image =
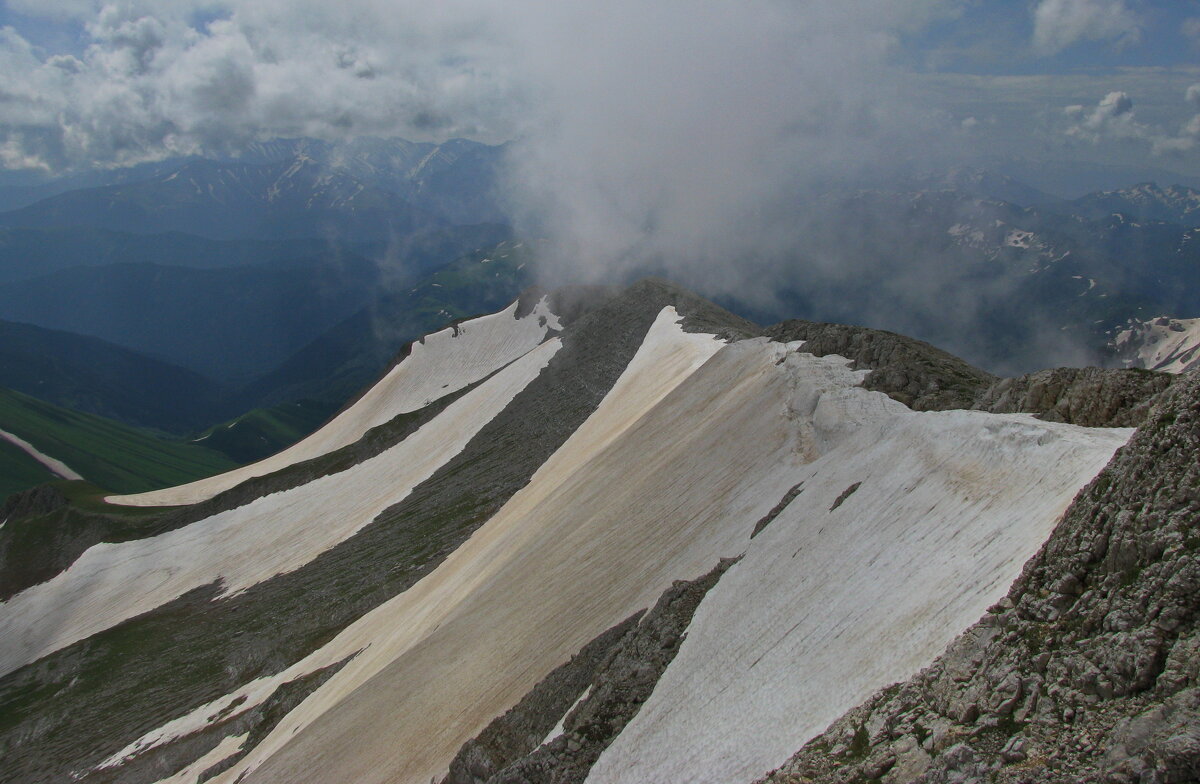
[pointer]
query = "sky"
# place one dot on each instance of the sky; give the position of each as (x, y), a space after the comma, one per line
(108, 83)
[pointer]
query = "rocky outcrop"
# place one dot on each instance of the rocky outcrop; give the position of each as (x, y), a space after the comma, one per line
(1091, 397)
(524, 726)
(33, 502)
(922, 377)
(1088, 671)
(622, 681)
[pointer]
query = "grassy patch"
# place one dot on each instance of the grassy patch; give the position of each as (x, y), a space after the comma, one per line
(117, 457)
(264, 431)
(19, 471)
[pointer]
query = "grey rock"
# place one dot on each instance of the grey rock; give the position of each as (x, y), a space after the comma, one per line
(1091, 397)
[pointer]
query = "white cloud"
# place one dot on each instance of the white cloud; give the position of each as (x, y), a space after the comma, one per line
(1192, 95)
(1111, 119)
(1191, 30)
(1058, 24)
(151, 81)
(1188, 137)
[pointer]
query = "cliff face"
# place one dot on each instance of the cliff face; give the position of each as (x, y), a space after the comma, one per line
(1089, 670)
(1092, 397)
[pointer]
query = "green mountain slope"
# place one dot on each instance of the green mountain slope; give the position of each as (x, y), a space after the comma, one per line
(19, 471)
(262, 432)
(110, 454)
(97, 377)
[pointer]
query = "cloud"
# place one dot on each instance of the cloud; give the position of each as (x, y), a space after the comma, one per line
(1191, 30)
(156, 79)
(1192, 95)
(675, 132)
(690, 139)
(1188, 137)
(1058, 24)
(1111, 119)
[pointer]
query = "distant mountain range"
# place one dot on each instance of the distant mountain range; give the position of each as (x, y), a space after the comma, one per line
(96, 377)
(300, 189)
(1144, 202)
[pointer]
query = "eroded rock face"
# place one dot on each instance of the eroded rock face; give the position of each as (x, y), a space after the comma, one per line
(1091, 397)
(1087, 671)
(622, 667)
(917, 374)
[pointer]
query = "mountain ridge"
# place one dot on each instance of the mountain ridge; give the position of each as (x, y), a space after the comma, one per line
(631, 446)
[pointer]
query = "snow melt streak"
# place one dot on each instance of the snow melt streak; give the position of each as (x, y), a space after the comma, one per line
(56, 467)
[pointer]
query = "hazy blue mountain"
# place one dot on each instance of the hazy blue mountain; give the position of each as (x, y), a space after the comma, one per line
(1144, 201)
(20, 188)
(29, 253)
(94, 376)
(297, 198)
(371, 189)
(1011, 289)
(352, 353)
(982, 183)
(224, 323)
(1073, 179)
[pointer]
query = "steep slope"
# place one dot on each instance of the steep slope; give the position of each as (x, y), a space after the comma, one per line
(353, 353)
(96, 377)
(1086, 671)
(20, 470)
(177, 657)
(75, 445)
(262, 432)
(1167, 344)
(438, 365)
(547, 481)
(223, 323)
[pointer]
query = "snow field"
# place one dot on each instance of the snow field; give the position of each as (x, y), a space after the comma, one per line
(530, 587)
(1169, 345)
(827, 606)
(271, 535)
(669, 356)
(438, 365)
(695, 443)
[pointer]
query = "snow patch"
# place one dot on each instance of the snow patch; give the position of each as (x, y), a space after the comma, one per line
(274, 534)
(56, 467)
(560, 728)
(1166, 344)
(833, 602)
(439, 364)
